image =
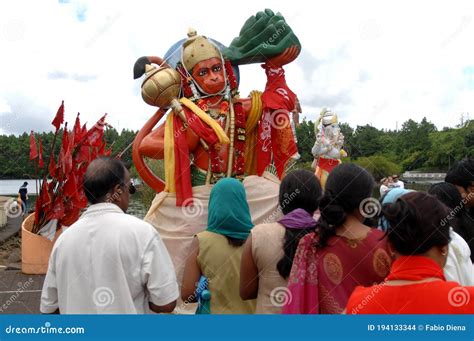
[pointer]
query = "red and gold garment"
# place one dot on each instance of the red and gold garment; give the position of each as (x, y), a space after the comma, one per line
(322, 280)
(433, 297)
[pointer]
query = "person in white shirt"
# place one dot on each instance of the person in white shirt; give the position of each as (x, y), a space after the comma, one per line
(109, 262)
(384, 187)
(397, 183)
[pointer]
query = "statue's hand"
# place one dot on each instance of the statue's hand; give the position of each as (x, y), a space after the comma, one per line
(286, 57)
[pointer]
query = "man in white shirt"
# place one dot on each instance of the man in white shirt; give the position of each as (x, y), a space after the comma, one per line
(109, 262)
(397, 183)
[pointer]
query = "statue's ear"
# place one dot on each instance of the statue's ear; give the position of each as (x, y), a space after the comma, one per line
(139, 67)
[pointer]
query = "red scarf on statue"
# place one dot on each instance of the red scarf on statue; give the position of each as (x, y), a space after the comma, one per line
(274, 130)
(184, 191)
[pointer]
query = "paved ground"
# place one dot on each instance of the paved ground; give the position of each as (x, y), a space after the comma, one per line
(19, 293)
(13, 227)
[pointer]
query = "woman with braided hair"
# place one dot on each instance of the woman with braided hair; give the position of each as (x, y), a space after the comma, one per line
(343, 252)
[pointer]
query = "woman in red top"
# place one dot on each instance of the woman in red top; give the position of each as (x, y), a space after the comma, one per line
(342, 253)
(418, 235)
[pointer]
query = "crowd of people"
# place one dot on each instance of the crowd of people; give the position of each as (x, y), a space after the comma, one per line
(390, 182)
(325, 255)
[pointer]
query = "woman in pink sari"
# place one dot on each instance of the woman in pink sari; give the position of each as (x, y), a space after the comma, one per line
(343, 252)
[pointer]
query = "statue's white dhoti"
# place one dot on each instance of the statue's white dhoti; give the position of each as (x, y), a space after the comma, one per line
(178, 225)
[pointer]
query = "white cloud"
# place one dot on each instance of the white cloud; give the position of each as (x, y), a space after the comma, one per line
(371, 62)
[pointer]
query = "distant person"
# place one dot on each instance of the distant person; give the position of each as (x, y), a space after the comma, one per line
(390, 182)
(397, 183)
(462, 176)
(109, 262)
(269, 250)
(384, 186)
(23, 194)
(458, 266)
(416, 283)
(343, 252)
(216, 253)
(460, 219)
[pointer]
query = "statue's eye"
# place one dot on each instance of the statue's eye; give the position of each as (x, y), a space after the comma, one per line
(202, 72)
(217, 68)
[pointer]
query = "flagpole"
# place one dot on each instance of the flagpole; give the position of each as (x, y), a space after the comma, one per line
(119, 155)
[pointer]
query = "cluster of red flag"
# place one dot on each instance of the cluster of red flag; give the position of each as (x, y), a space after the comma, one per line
(61, 196)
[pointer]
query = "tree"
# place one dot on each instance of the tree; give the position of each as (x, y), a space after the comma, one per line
(306, 138)
(365, 141)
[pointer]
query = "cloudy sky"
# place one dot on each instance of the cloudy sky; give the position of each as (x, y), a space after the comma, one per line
(377, 63)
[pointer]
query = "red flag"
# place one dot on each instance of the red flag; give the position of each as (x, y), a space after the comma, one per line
(45, 193)
(77, 130)
(52, 167)
(95, 134)
(40, 155)
(57, 211)
(59, 118)
(70, 188)
(33, 149)
(65, 154)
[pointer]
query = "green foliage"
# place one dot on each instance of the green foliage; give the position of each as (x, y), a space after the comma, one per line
(379, 166)
(305, 136)
(415, 146)
(15, 151)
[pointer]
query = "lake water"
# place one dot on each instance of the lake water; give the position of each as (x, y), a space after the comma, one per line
(10, 188)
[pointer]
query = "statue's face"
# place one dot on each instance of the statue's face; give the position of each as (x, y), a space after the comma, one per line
(209, 74)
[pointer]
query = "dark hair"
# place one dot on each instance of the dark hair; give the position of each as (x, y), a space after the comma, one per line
(235, 241)
(462, 173)
(449, 195)
(25, 183)
(102, 175)
(346, 187)
(417, 222)
(298, 189)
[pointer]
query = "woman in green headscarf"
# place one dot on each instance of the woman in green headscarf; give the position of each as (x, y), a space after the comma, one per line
(216, 252)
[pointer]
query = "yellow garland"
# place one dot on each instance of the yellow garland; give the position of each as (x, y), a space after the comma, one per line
(223, 138)
(169, 155)
(252, 132)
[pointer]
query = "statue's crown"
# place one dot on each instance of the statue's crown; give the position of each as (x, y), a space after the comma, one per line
(328, 117)
(198, 48)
